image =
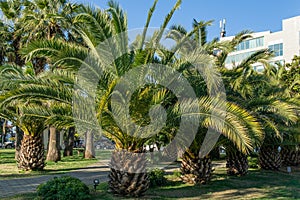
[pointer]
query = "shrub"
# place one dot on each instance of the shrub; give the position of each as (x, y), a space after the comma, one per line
(253, 162)
(63, 188)
(177, 173)
(156, 177)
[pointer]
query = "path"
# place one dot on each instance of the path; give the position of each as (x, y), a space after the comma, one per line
(98, 170)
(16, 186)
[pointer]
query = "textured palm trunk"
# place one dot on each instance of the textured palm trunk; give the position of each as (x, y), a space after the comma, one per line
(31, 156)
(290, 156)
(237, 163)
(269, 158)
(69, 142)
(53, 153)
(196, 170)
(89, 145)
(128, 176)
(19, 137)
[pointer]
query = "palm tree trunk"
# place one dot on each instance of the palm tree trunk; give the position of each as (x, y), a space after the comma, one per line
(237, 162)
(19, 137)
(128, 176)
(69, 142)
(269, 158)
(290, 156)
(53, 147)
(89, 145)
(4, 132)
(196, 170)
(31, 156)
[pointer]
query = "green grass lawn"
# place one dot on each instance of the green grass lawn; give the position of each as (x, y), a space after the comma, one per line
(8, 166)
(258, 184)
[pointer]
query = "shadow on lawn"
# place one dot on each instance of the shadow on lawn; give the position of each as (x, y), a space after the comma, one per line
(257, 184)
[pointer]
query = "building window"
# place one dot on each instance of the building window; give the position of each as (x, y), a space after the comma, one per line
(277, 49)
(250, 44)
(238, 57)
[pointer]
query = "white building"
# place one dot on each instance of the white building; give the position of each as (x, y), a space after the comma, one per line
(285, 44)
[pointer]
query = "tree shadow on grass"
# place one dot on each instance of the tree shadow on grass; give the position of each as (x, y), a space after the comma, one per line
(257, 184)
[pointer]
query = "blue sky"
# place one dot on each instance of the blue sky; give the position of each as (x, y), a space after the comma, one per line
(255, 15)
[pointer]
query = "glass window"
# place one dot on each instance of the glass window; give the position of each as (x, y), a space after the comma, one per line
(238, 58)
(277, 49)
(250, 44)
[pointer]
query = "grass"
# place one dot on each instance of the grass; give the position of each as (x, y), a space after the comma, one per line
(258, 184)
(8, 166)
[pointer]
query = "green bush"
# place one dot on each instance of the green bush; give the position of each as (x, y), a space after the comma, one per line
(253, 162)
(177, 173)
(63, 188)
(157, 178)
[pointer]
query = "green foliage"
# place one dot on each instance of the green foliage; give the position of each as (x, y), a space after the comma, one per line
(63, 188)
(176, 173)
(292, 76)
(157, 178)
(253, 162)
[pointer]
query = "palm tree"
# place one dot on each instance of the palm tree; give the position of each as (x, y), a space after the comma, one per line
(26, 21)
(264, 97)
(34, 102)
(31, 155)
(12, 11)
(95, 26)
(44, 19)
(12, 36)
(283, 86)
(194, 169)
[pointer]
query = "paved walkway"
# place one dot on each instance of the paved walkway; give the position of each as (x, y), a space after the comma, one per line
(98, 170)
(16, 186)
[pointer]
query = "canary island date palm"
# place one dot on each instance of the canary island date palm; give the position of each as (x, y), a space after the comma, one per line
(289, 77)
(96, 27)
(31, 155)
(264, 97)
(237, 162)
(197, 168)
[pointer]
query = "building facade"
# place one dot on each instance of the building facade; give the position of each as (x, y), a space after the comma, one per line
(285, 44)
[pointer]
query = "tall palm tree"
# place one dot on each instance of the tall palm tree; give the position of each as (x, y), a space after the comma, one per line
(44, 19)
(12, 11)
(31, 20)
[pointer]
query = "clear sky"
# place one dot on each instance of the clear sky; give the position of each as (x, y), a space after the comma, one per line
(255, 15)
